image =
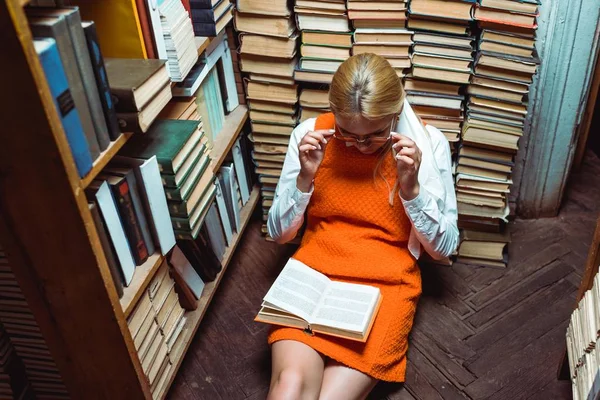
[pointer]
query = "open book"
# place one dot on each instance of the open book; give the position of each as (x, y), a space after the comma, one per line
(304, 298)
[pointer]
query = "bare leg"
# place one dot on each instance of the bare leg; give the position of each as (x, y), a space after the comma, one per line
(344, 383)
(297, 371)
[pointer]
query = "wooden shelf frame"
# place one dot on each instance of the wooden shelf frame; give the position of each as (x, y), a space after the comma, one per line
(51, 241)
(194, 318)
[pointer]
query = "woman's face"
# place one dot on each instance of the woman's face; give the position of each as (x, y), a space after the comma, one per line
(368, 136)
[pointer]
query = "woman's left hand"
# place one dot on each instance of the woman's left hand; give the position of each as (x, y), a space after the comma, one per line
(408, 161)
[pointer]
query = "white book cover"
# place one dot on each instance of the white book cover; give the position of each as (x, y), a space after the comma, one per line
(240, 171)
(222, 208)
(189, 274)
(108, 209)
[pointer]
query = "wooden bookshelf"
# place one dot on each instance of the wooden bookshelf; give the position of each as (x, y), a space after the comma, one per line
(202, 43)
(195, 317)
(104, 158)
(234, 122)
(141, 278)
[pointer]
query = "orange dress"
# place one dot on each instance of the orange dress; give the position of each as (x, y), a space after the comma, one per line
(353, 234)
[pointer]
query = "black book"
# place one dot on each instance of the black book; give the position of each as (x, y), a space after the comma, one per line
(201, 257)
(110, 114)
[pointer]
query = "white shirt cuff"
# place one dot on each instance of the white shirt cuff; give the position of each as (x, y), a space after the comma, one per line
(415, 205)
(300, 197)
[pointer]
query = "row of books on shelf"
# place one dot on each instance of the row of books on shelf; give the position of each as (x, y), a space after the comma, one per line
(582, 335)
(161, 187)
(157, 322)
(24, 354)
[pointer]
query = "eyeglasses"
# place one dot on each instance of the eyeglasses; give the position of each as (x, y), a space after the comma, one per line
(367, 140)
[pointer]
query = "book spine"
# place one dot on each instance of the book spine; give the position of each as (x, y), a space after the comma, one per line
(134, 235)
(200, 4)
(110, 115)
(129, 122)
(173, 194)
(203, 16)
(87, 76)
(200, 260)
(178, 209)
(123, 101)
(202, 29)
(60, 33)
(57, 81)
(109, 251)
(136, 198)
(181, 224)
(168, 181)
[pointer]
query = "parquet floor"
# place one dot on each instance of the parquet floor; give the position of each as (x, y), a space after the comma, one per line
(479, 333)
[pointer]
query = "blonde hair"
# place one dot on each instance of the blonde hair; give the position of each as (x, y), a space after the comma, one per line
(367, 86)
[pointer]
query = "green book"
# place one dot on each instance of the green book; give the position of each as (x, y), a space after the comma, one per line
(183, 193)
(170, 140)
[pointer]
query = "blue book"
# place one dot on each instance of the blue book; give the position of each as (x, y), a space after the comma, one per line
(57, 81)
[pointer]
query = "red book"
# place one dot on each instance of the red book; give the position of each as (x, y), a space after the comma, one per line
(186, 5)
(147, 32)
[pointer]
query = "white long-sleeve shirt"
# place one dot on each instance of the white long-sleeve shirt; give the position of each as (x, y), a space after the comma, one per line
(433, 213)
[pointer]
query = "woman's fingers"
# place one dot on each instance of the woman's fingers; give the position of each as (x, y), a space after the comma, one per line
(405, 160)
(404, 143)
(408, 151)
(306, 147)
(311, 140)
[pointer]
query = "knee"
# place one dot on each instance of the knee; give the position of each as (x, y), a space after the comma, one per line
(288, 385)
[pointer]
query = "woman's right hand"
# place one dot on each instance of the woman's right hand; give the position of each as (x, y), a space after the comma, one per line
(311, 149)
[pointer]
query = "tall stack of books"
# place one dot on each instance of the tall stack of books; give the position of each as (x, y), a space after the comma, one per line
(156, 324)
(505, 65)
(326, 40)
(268, 55)
(582, 337)
(178, 36)
(234, 45)
(26, 339)
(391, 43)
(442, 63)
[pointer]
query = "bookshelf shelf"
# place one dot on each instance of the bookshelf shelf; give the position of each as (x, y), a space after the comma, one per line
(202, 43)
(231, 128)
(195, 317)
(141, 278)
(104, 158)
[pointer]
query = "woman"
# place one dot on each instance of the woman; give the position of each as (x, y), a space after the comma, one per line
(374, 199)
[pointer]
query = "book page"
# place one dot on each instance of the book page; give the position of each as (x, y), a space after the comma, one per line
(347, 306)
(298, 289)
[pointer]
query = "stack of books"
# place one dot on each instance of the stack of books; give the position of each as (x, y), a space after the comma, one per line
(377, 14)
(155, 325)
(210, 16)
(27, 342)
(140, 89)
(180, 147)
(313, 102)
(74, 68)
(582, 336)
(497, 107)
(483, 248)
(178, 36)
(393, 44)
(234, 45)
(442, 64)
(268, 55)
(183, 108)
(326, 39)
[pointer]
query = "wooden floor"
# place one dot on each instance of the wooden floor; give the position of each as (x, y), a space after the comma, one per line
(479, 333)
